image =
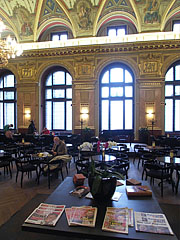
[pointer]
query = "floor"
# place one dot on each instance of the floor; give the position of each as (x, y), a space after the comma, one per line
(13, 197)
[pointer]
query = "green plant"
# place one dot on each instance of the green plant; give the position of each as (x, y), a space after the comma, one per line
(100, 173)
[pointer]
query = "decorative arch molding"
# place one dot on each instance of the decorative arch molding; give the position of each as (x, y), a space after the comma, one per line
(169, 16)
(51, 23)
(129, 62)
(119, 15)
(165, 16)
(168, 62)
(13, 68)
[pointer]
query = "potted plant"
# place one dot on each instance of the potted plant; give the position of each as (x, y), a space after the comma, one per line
(102, 181)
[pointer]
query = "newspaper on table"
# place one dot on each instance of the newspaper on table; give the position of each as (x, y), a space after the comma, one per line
(152, 222)
(116, 220)
(46, 214)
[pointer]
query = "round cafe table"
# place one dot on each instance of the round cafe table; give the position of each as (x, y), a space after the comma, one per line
(107, 158)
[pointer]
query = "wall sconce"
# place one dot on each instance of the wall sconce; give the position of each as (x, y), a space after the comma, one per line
(84, 115)
(150, 114)
(27, 113)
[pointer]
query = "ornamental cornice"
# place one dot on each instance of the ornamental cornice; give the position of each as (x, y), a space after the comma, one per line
(105, 49)
(84, 87)
(150, 84)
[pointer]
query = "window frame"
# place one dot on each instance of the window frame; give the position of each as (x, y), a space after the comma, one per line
(116, 28)
(13, 101)
(59, 34)
(110, 98)
(52, 100)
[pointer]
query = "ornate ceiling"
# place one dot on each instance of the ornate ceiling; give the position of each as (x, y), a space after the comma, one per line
(28, 19)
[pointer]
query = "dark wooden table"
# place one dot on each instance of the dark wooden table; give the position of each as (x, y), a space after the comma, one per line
(107, 158)
(61, 196)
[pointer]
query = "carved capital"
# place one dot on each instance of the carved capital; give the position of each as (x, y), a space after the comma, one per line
(27, 71)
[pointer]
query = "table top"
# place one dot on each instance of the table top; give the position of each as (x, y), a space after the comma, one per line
(107, 158)
(167, 159)
(61, 196)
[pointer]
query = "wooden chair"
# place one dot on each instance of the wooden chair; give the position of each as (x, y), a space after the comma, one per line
(5, 162)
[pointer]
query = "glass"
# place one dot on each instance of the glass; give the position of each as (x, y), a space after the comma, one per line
(49, 80)
(69, 93)
(58, 93)
(117, 91)
(128, 77)
(48, 111)
(8, 113)
(177, 115)
(48, 94)
(177, 90)
(128, 91)
(112, 32)
(105, 115)
(1, 114)
(9, 81)
(116, 75)
(121, 32)
(1, 95)
(169, 75)
(1, 82)
(59, 78)
(69, 115)
(168, 90)
(68, 79)
(63, 37)
(105, 92)
(177, 72)
(58, 115)
(176, 27)
(168, 115)
(116, 119)
(55, 37)
(128, 114)
(105, 78)
(9, 95)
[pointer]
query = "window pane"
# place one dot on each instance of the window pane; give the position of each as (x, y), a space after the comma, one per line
(128, 91)
(58, 93)
(69, 93)
(177, 115)
(116, 75)
(121, 32)
(8, 113)
(1, 114)
(48, 110)
(177, 90)
(176, 27)
(105, 92)
(1, 83)
(59, 78)
(169, 75)
(105, 78)
(116, 119)
(169, 90)
(128, 77)
(8, 95)
(58, 115)
(68, 79)
(1, 95)
(116, 91)
(112, 32)
(63, 37)
(55, 37)
(105, 115)
(177, 72)
(49, 80)
(69, 115)
(9, 81)
(169, 115)
(128, 114)
(48, 94)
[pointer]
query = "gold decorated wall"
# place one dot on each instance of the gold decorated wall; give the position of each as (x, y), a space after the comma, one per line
(149, 62)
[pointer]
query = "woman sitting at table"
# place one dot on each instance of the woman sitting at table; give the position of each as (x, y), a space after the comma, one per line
(59, 152)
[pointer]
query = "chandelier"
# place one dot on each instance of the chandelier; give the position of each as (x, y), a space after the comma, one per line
(8, 48)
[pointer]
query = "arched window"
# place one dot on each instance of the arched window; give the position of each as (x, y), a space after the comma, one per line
(58, 100)
(7, 99)
(172, 98)
(116, 98)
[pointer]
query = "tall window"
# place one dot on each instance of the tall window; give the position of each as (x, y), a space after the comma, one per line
(176, 26)
(172, 98)
(59, 36)
(58, 100)
(7, 100)
(117, 31)
(116, 98)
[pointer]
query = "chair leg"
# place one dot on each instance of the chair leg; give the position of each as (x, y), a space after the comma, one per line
(10, 171)
(177, 183)
(62, 175)
(162, 188)
(17, 175)
(22, 179)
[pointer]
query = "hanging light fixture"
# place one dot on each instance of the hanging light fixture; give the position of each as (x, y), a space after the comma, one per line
(8, 48)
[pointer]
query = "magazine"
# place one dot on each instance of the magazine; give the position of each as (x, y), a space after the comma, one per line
(46, 214)
(116, 220)
(83, 216)
(152, 222)
(80, 191)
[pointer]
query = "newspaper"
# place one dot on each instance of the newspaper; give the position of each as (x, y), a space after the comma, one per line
(152, 222)
(46, 214)
(116, 220)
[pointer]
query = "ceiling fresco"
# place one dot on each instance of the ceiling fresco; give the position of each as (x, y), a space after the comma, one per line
(27, 19)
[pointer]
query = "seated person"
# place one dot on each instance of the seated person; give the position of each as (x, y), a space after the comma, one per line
(7, 131)
(45, 131)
